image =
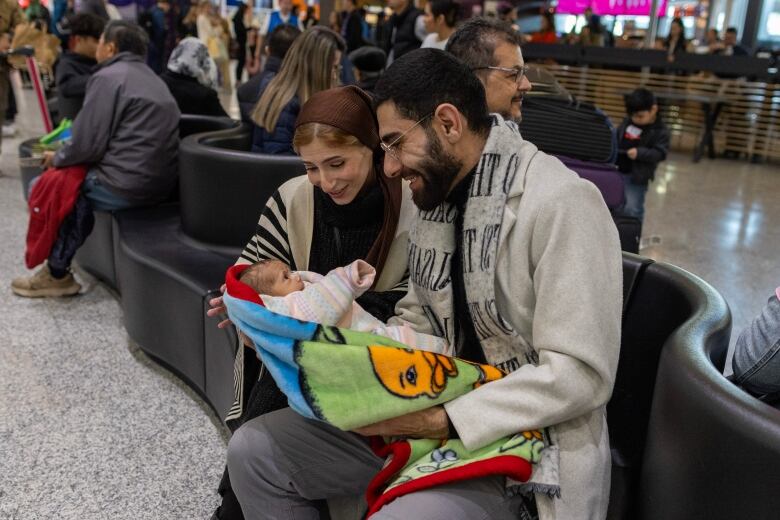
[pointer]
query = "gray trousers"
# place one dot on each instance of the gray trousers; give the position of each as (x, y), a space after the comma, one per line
(281, 463)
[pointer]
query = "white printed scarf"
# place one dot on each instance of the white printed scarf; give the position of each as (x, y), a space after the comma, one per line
(431, 248)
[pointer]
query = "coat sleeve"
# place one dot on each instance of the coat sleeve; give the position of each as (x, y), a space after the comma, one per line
(577, 283)
(656, 151)
(94, 126)
(409, 311)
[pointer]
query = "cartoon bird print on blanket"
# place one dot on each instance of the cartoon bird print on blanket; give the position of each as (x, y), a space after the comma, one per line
(411, 373)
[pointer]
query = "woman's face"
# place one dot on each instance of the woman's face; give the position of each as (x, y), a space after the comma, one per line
(341, 172)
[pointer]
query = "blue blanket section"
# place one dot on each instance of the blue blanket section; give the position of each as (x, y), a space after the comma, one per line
(274, 337)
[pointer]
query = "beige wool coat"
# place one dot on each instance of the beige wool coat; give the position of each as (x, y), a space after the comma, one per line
(559, 284)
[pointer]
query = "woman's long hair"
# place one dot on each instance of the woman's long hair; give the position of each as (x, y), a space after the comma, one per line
(307, 68)
(681, 44)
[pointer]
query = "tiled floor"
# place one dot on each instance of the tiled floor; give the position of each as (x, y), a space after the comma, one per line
(719, 220)
(91, 429)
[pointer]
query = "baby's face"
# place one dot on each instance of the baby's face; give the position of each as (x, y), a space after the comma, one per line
(284, 280)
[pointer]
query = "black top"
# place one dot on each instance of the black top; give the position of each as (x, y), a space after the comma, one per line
(353, 31)
(72, 72)
(467, 343)
(191, 96)
(240, 29)
(343, 234)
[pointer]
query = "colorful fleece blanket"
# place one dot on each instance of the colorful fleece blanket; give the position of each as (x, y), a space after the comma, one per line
(352, 379)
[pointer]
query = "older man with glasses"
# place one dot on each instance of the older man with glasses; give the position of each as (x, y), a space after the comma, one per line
(491, 49)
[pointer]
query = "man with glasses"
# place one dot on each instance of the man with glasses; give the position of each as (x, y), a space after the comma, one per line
(491, 49)
(516, 262)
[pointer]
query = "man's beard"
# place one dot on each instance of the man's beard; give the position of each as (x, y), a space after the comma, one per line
(436, 173)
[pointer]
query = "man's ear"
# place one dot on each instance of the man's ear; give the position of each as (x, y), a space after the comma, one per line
(450, 122)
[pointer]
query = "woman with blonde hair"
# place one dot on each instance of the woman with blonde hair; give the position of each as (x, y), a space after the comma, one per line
(342, 210)
(312, 64)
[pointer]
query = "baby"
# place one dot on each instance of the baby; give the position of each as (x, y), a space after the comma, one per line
(330, 300)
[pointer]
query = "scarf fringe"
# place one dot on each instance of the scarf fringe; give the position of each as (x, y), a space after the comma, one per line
(534, 488)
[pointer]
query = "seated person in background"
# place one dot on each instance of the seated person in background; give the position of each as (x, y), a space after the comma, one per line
(330, 300)
(127, 134)
(313, 64)
(369, 63)
(278, 43)
(730, 45)
(491, 49)
(74, 67)
(756, 360)
(643, 142)
(191, 77)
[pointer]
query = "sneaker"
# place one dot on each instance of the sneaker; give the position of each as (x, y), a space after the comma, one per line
(42, 284)
(9, 130)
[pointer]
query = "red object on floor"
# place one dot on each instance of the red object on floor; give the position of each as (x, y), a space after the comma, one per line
(51, 200)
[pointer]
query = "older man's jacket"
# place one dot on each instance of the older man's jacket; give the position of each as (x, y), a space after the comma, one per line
(127, 131)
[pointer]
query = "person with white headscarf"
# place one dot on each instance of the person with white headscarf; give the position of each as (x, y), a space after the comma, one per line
(191, 77)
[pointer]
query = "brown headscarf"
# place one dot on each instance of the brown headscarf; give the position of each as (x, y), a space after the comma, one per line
(350, 109)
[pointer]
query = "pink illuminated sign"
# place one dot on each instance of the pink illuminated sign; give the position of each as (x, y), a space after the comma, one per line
(613, 7)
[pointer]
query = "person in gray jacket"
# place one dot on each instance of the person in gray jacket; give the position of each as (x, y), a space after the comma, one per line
(514, 260)
(127, 134)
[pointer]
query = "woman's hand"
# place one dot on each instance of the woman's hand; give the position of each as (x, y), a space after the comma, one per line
(217, 308)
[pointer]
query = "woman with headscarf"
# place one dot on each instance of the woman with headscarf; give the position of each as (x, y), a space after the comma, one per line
(343, 209)
(191, 77)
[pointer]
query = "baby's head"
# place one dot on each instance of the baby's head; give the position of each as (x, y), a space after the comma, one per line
(272, 277)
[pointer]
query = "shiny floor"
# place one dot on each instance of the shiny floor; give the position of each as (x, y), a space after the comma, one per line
(91, 429)
(719, 219)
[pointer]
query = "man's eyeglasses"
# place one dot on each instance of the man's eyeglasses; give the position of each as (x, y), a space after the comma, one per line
(516, 73)
(392, 148)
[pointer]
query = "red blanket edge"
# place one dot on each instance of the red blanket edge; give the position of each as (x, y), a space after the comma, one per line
(510, 466)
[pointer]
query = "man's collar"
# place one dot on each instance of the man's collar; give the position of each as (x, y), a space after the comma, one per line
(122, 56)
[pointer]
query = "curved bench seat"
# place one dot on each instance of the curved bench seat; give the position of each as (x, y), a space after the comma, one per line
(713, 450)
(223, 188)
(164, 280)
(190, 124)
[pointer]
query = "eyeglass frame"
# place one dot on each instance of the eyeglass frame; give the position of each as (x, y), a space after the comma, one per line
(519, 73)
(390, 149)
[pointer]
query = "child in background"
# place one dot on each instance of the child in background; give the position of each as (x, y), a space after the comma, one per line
(330, 300)
(643, 142)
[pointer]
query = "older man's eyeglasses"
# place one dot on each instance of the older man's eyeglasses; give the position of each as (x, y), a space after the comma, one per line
(515, 73)
(391, 149)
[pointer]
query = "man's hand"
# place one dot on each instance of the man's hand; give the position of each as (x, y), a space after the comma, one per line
(430, 423)
(217, 308)
(631, 152)
(48, 160)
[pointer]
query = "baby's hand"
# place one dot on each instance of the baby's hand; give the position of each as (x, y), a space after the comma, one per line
(365, 273)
